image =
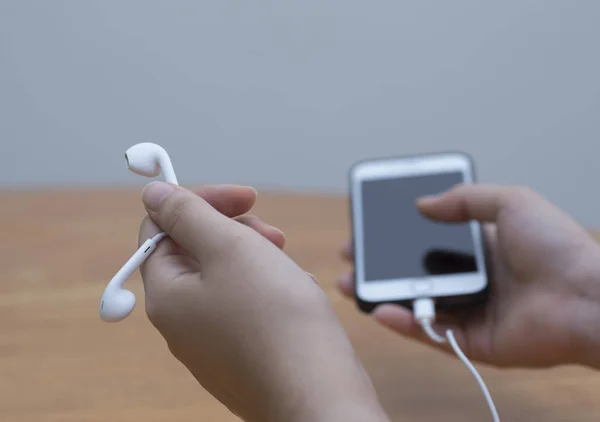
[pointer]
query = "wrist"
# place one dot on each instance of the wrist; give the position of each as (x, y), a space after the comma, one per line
(336, 412)
(351, 413)
(329, 403)
(338, 392)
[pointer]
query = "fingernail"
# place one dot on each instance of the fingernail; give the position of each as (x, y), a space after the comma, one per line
(314, 278)
(427, 199)
(276, 229)
(154, 193)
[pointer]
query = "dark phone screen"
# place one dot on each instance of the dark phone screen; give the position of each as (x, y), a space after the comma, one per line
(400, 243)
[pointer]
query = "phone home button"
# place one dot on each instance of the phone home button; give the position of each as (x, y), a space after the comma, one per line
(422, 286)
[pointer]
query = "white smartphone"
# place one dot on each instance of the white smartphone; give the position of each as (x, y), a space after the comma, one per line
(399, 254)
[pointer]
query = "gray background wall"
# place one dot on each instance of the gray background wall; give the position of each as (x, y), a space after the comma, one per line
(287, 94)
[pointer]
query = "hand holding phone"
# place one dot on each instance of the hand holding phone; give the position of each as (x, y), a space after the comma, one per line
(541, 261)
(399, 254)
(543, 272)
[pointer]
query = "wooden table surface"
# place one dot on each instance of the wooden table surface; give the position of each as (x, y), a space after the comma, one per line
(59, 362)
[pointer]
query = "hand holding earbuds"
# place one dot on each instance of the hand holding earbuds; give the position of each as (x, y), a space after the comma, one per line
(146, 159)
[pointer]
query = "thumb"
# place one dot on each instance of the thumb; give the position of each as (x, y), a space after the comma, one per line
(188, 220)
(466, 202)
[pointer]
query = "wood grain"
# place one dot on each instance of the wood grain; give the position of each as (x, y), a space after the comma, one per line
(59, 362)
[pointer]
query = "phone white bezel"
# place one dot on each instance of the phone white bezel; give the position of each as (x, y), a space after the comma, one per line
(411, 288)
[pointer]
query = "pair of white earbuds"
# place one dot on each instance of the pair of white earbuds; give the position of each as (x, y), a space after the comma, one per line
(145, 159)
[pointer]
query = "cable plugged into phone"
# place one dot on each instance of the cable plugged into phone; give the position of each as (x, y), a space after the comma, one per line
(424, 311)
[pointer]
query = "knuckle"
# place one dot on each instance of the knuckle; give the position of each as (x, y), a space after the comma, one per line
(518, 194)
(235, 242)
(234, 239)
(522, 190)
(174, 349)
(518, 197)
(152, 308)
(154, 313)
(156, 310)
(459, 187)
(178, 214)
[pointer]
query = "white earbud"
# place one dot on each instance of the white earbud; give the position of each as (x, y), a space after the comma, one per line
(148, 160)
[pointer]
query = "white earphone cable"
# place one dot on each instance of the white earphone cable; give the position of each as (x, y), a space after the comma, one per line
(424, 310)
(158, 237)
